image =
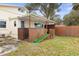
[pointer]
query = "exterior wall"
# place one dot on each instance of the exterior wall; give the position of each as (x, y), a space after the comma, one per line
(6, 13)
(26, 23)
(13, 29)
(4, 30)
(10, 12)
(33, 32)
(31, 25)
(67, 30)
(10, 29)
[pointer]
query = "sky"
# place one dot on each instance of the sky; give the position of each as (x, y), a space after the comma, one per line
(65, 8)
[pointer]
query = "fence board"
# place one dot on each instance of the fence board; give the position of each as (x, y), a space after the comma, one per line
(67, 30)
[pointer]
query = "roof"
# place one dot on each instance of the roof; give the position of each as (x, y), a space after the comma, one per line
(13, 6)
(41, 18)
(35, 18)
(32, 17)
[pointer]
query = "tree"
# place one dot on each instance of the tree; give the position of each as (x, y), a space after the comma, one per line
(57, 20)
(75, 6)
(72, 18)
(46, 9)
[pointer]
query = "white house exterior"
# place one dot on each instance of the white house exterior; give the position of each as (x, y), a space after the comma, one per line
(8, 25)
(14, 17)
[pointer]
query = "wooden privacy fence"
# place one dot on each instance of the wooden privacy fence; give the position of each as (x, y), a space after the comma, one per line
(67, 30)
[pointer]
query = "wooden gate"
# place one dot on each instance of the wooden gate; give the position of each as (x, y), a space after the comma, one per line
(23, 33)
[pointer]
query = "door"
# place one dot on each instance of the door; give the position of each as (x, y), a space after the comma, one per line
(23, 32)
(22, 24)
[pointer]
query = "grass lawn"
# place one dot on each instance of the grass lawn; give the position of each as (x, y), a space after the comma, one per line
(59, 46)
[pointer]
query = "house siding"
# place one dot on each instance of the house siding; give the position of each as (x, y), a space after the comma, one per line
(6, 14)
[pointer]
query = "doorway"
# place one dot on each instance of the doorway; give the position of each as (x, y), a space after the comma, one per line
(22, 24)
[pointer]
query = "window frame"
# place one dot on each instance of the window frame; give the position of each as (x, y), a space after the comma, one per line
(36, 25)
(1, 25)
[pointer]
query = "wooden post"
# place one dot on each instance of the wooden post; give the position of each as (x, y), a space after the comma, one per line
(46, 26)
(29, 20)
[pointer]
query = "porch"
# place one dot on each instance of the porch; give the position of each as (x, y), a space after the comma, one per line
(33, 27)
(31, 34)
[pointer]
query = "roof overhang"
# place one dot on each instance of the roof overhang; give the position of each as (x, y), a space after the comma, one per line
(35, 18)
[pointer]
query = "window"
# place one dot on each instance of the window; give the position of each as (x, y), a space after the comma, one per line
(2, 24)
(38, 25)
(21, 10)
(15, 23)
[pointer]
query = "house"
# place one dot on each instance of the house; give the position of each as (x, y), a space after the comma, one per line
(16, 21)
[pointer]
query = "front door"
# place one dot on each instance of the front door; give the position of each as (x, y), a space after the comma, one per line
(22, 24)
